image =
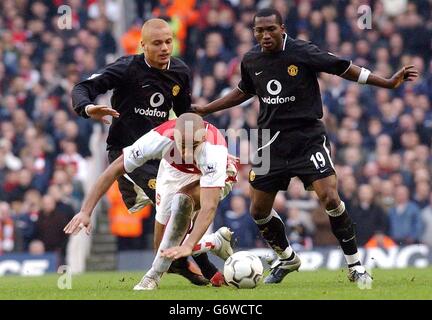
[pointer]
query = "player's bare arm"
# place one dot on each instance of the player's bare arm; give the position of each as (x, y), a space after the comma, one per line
(232, 99)
(209, 200)
(99, 112)
(364, 76)
(82, 218)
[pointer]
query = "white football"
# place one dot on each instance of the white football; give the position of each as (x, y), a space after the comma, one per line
(243, 270)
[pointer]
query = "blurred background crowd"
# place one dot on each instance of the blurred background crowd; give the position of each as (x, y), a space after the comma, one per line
(381, 139)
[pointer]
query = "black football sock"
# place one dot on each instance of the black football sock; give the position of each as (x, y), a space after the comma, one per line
(272, 229)
(208, 269)
(180, 263)
(344, 230)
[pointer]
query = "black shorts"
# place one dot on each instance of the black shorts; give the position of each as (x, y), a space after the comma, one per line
(302, 153)
(144, 177)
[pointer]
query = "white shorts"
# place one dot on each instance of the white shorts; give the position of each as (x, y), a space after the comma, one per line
(168, 182)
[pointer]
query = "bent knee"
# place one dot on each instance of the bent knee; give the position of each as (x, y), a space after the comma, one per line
(330, 199)
(259, 212)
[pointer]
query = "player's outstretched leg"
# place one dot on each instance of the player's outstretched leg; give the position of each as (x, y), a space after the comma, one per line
(342, 227)
(272, 229)
(181, 214)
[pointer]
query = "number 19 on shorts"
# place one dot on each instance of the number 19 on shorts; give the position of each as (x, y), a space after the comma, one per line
(318, 160)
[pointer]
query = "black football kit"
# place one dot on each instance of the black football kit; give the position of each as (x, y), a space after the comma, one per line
(290, 108)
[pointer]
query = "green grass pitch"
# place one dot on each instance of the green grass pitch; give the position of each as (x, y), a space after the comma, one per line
(403, 284)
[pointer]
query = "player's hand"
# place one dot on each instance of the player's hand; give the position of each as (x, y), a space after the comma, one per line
(176, 252)
(99, 111)
(79, 221)
(408, 73)
(200, 110)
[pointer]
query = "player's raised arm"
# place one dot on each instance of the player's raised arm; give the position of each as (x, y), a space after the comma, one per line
(150, 146)
(85, 92)
(232, 99)
(365, 76)
(82, 218)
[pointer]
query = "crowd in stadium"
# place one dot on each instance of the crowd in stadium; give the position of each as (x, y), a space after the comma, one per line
(381, 139)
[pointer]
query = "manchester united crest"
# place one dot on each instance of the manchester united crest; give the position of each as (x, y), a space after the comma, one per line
(252, 175)
(152, 184)
(292, 70)
(175, 90)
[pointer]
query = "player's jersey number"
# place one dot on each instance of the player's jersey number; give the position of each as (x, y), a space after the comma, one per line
(318, 160)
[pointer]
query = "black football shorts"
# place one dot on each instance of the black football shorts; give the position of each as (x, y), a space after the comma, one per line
(139, 186)
(302, 153)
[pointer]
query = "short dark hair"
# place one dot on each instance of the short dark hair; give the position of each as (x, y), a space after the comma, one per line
(267, 12)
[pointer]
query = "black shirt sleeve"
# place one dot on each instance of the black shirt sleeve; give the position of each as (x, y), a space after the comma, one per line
(246, 84)
(110, 77)
(183, 100)
(322, 61)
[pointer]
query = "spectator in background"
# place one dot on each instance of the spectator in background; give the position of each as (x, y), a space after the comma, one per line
(24, 183)
(214, 52)
(405, 218)
(36, 248)
(421, 194)
(49, 228)
(386, 199)
(127, 227)
(24, 218)
(71, 158)
(298, 198)
(300, 229)
(348, 190)
(380, 240)
(426, 213)
(62, 190)
(7, 236)
(368, 217)
(130, 40)
(240, 222)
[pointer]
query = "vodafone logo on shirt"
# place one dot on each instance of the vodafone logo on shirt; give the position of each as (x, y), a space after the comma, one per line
(274, 87)
(156, 100)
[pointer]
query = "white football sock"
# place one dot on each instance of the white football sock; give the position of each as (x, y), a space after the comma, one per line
(286, 253)
(352, 258)
(178, 225)
(154, 274)
(208, 242)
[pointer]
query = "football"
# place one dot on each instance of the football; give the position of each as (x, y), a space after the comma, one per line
(243, 270)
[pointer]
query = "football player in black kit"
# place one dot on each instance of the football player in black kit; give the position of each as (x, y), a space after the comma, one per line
(146, 86)
(282, 72)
